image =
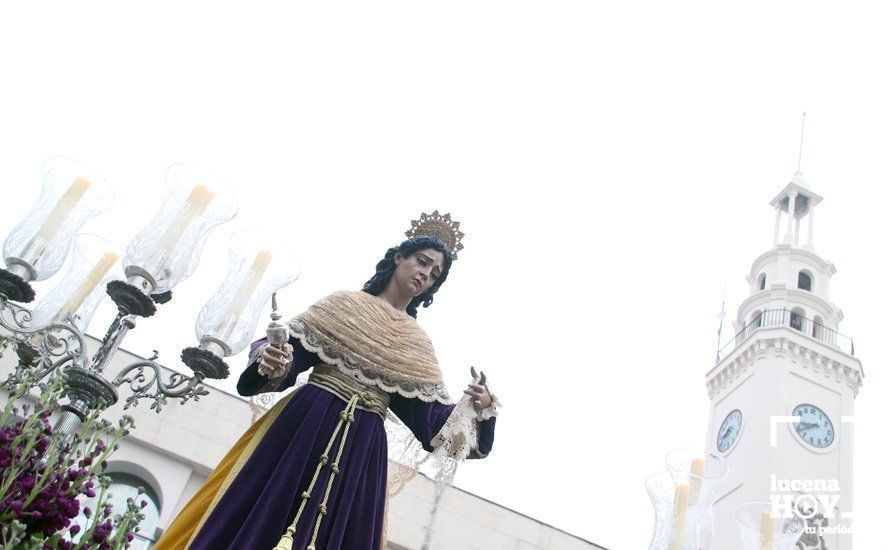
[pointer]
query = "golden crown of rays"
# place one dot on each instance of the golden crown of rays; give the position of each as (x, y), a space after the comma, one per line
(440, 226)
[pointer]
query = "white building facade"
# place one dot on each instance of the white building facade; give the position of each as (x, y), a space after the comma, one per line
(782, 390)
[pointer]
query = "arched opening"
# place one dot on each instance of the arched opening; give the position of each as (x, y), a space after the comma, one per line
(756, 319)
(761, 282)
(805, 281)
(149, 481)
(818, 328)
(798, 318)
(124, 486)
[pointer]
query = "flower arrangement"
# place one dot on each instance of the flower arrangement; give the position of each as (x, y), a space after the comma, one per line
(44, 476)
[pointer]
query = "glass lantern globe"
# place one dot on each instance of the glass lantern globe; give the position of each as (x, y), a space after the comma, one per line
(759, 529)
(168, 248)
(708, 465)
(259, 267)
(701, 462)
(680, 501)
(71, 194)
(79, 293)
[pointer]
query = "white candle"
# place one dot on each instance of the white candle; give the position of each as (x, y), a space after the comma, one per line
(698, 470)
(245, 291)
(62, 208)
(250, 282)
(681, 503)
(93, 278)
(54, 221)
(767, 536)
(195, 205)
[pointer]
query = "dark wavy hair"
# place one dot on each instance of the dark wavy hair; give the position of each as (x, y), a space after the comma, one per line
(387, 266)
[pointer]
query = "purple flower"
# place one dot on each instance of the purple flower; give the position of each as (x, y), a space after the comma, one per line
(101, 533)
(52, 489)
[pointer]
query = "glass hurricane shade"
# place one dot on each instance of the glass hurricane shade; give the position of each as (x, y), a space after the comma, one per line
(710, 466)
(79, 293)
(681, 501)
(760, 529)
(71, 194)
(259, 266)
(167, 250)
(706, 464)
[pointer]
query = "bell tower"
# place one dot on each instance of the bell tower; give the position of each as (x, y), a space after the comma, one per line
(782, 390)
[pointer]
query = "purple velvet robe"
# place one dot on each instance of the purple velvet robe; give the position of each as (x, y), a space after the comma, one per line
(263, 499)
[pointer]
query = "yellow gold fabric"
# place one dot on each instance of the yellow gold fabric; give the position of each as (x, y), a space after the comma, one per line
(375, 343)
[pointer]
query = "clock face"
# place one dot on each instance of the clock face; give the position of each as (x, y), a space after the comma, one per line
(729, 431)
(814, 428)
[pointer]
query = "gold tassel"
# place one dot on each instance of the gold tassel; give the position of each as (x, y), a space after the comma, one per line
(286, 542)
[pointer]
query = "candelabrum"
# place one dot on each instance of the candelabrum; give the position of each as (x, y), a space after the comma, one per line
(49, 340)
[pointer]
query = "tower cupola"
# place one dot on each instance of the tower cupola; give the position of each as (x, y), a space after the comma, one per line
(795, 203)
(790, 283)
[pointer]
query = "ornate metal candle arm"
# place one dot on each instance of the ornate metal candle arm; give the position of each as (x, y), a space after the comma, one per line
(88, 389)
(60, 347)
(42, 350)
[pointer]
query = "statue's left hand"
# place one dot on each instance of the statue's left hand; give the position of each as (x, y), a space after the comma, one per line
(478, 390)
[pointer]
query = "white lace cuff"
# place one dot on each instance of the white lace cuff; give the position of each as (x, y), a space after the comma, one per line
(490, 411)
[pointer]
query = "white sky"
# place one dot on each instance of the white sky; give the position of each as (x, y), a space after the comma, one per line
(611, 166)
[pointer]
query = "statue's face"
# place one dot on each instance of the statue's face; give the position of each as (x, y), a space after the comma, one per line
(415, 274)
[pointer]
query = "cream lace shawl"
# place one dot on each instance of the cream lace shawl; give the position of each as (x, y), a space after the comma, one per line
(365, 337)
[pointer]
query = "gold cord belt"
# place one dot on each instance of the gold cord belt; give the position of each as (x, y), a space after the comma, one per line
(329, 377)
(357, 396)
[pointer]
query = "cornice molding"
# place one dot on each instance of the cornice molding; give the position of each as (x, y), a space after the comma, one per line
(732, 369)
(787, 250)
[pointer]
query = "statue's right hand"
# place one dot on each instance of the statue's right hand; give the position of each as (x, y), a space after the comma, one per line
(274, 361)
